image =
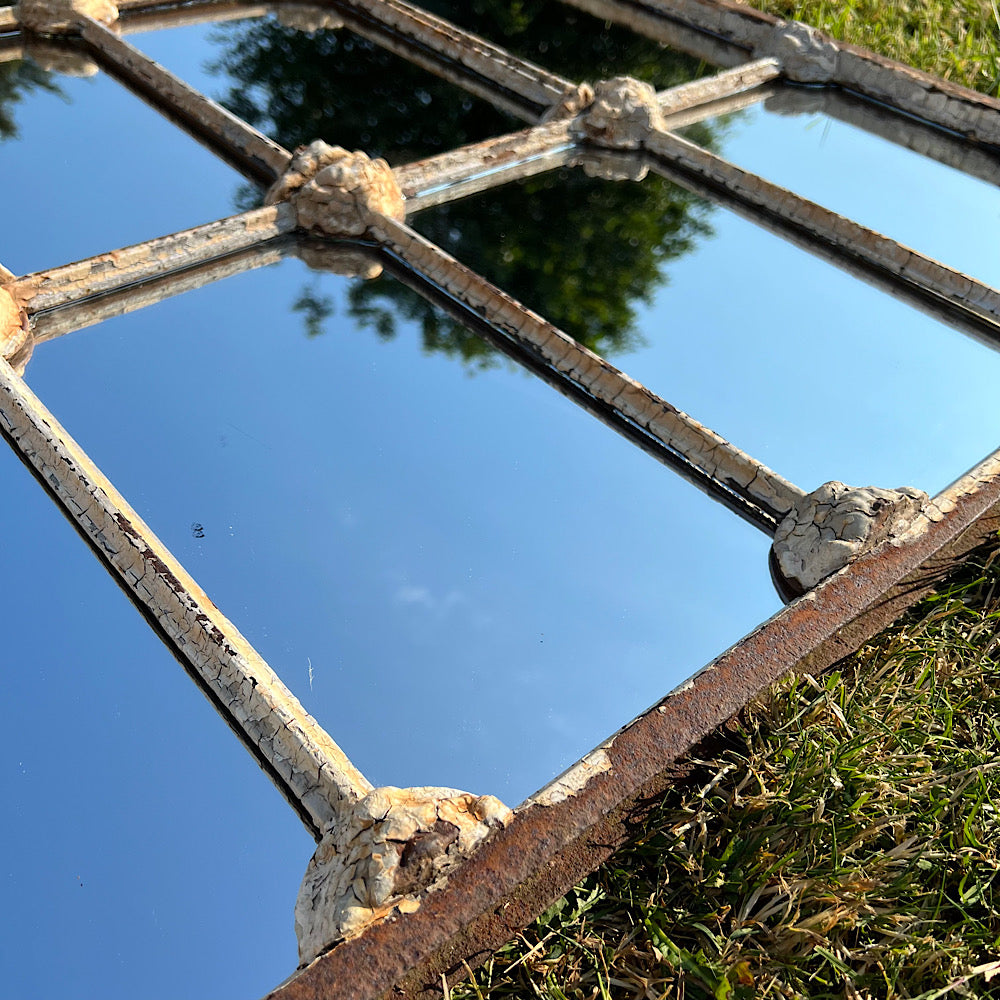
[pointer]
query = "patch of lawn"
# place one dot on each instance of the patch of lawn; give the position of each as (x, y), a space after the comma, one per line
(958, 40)
(846, 842)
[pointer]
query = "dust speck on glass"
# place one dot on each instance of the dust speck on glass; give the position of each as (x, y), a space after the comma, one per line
(300, 291)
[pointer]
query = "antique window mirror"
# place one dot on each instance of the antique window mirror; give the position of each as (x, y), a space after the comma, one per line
(346, 214)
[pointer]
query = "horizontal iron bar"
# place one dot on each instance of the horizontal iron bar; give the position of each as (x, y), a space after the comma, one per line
(53, 323)
(132, 265)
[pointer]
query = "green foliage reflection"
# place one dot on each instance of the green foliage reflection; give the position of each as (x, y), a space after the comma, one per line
(582, 252)
(17, 80)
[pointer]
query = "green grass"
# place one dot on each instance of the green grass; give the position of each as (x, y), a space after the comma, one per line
(846, 842)
(955, 39)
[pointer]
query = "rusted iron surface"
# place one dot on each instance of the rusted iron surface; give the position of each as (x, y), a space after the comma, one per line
(558, 838)
(578, 820)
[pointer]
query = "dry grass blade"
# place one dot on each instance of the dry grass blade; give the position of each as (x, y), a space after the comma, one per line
(845, 844)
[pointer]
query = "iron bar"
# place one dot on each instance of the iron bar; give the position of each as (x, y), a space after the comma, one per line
(141, 17)
(53, 323)
(433, 43)
(689, 96)
(577, 821)
(705, 173)
(259, 157)
(308, 768)
(529, 359)
(715, 457)
(132, 265)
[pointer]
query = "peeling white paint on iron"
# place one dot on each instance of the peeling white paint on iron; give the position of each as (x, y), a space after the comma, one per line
(307, 18)
(573, 780)
(805, 54)
(392, 845)
(623, 113)
(968, 485)
(336, 192)
(16, 343)
(130, 265)
(55, 17)
(830, 527)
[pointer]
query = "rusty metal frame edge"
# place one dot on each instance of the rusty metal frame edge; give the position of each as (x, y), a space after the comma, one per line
(581, 818)
(564, 833)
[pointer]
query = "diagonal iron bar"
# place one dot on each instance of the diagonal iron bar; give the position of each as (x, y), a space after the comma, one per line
(308, 767)
(480, 166)
(252, 152)
(705, 450)
(706, 173)
(412, 32)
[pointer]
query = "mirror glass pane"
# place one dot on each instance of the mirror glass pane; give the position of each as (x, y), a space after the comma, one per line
(811, 371)
(852, 157)
(465, 578)
(95, 169)
(469, 581)
(144, 852)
